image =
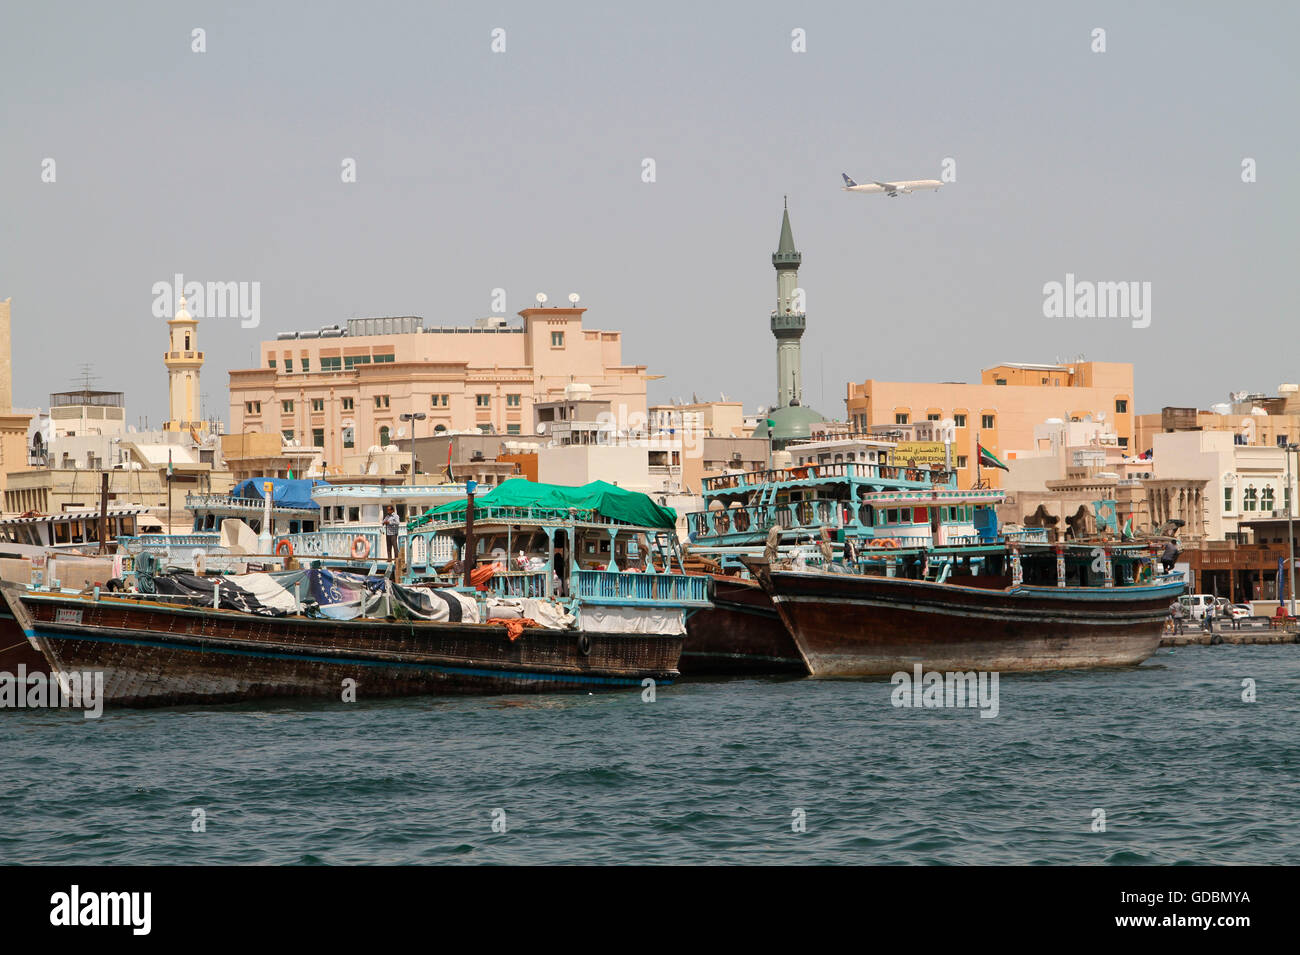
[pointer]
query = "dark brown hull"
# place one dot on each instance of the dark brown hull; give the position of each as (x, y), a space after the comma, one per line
(152, 654)
(741, 634)
(15, 649)
(850, 625)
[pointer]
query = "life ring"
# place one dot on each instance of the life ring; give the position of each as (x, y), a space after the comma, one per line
(360, 548)
(284, 548)
(742, 521)
(584, 644)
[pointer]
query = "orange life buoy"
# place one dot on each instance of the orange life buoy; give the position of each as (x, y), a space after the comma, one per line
(360, 548)
(284, 548)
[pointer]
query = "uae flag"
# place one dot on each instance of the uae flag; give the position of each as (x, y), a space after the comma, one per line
(989, 460)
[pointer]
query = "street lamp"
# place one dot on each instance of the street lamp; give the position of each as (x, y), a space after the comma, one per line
(413, 416)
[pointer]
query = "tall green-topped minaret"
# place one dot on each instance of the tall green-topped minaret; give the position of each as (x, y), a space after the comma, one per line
(788, 320)
(789, 418)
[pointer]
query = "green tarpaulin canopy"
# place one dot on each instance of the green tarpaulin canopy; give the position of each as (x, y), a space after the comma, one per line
(606, 499)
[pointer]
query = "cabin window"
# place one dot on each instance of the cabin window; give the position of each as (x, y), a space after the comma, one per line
(906, 515)
(354, 515)
(891, 516)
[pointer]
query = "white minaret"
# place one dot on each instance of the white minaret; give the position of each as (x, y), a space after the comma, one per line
(183, 361)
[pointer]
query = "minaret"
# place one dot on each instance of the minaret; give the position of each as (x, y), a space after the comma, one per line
(787, 323)
(183, 361)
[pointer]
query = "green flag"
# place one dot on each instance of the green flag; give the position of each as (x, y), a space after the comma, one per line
(771, 423)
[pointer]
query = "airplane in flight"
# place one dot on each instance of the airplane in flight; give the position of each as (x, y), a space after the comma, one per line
(891, 189)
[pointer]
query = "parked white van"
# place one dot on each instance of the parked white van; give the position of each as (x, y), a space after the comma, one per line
(1197, 606)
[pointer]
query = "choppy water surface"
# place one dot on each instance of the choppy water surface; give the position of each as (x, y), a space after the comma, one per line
(712, 771)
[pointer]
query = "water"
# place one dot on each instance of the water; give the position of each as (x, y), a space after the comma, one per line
(710, 772)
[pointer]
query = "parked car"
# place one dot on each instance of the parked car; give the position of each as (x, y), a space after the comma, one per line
(1238, 611)
(1197, 606)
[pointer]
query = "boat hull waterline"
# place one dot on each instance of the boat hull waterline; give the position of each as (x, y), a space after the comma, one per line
(847, 625)
(152, 654)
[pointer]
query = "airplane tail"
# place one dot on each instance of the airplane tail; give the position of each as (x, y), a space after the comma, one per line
(847, 181)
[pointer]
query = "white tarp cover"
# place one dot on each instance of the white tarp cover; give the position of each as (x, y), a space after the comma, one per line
(632, 620)
(549, 614)
(268, 592)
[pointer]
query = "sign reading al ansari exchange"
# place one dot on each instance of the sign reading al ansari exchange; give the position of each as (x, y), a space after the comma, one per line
(921, 454)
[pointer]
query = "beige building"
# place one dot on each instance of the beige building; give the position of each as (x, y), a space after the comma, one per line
(344, 389)
(13, 422)
(1002, 411)
(1254, 420)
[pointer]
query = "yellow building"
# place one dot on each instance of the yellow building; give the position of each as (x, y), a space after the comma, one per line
(1001, 411)
(14, 424)
(183, 361)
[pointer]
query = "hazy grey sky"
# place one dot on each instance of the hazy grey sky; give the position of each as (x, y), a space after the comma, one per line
(522, 170)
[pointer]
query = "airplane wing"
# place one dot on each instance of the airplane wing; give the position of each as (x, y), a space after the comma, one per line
(891, 186)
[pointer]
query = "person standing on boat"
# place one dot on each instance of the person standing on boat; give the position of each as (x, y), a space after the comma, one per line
(390, 531)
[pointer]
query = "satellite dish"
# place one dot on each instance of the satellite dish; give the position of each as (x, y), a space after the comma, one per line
(401, 432)
(541, 298)
(541, 427)
(573, 297)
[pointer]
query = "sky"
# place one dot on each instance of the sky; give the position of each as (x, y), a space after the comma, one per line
(524, 170)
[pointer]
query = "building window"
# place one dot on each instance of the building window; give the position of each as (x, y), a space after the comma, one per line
(1250, 499)
(1227, 500)
(932, 417)
(987, 421)
(288, 365)
(1123, 442)
(253, 407)
(901, 417)
(331, 364)
(961, 462)
(512, 429)
(380, 359)
(557, 339)
(485, 428)
(306, 363)
(512, 401)
(999, 381)
(318, 437)
(381, 401)
(482, 401)
(1121, 406)
(440, 401)
(1266, 499)
(351, 361)
(347, 404)
(383, 436)
(287, 435)
(349, 440)
(270, 363)
(959, 420)
(318, 404)
(287, 406)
